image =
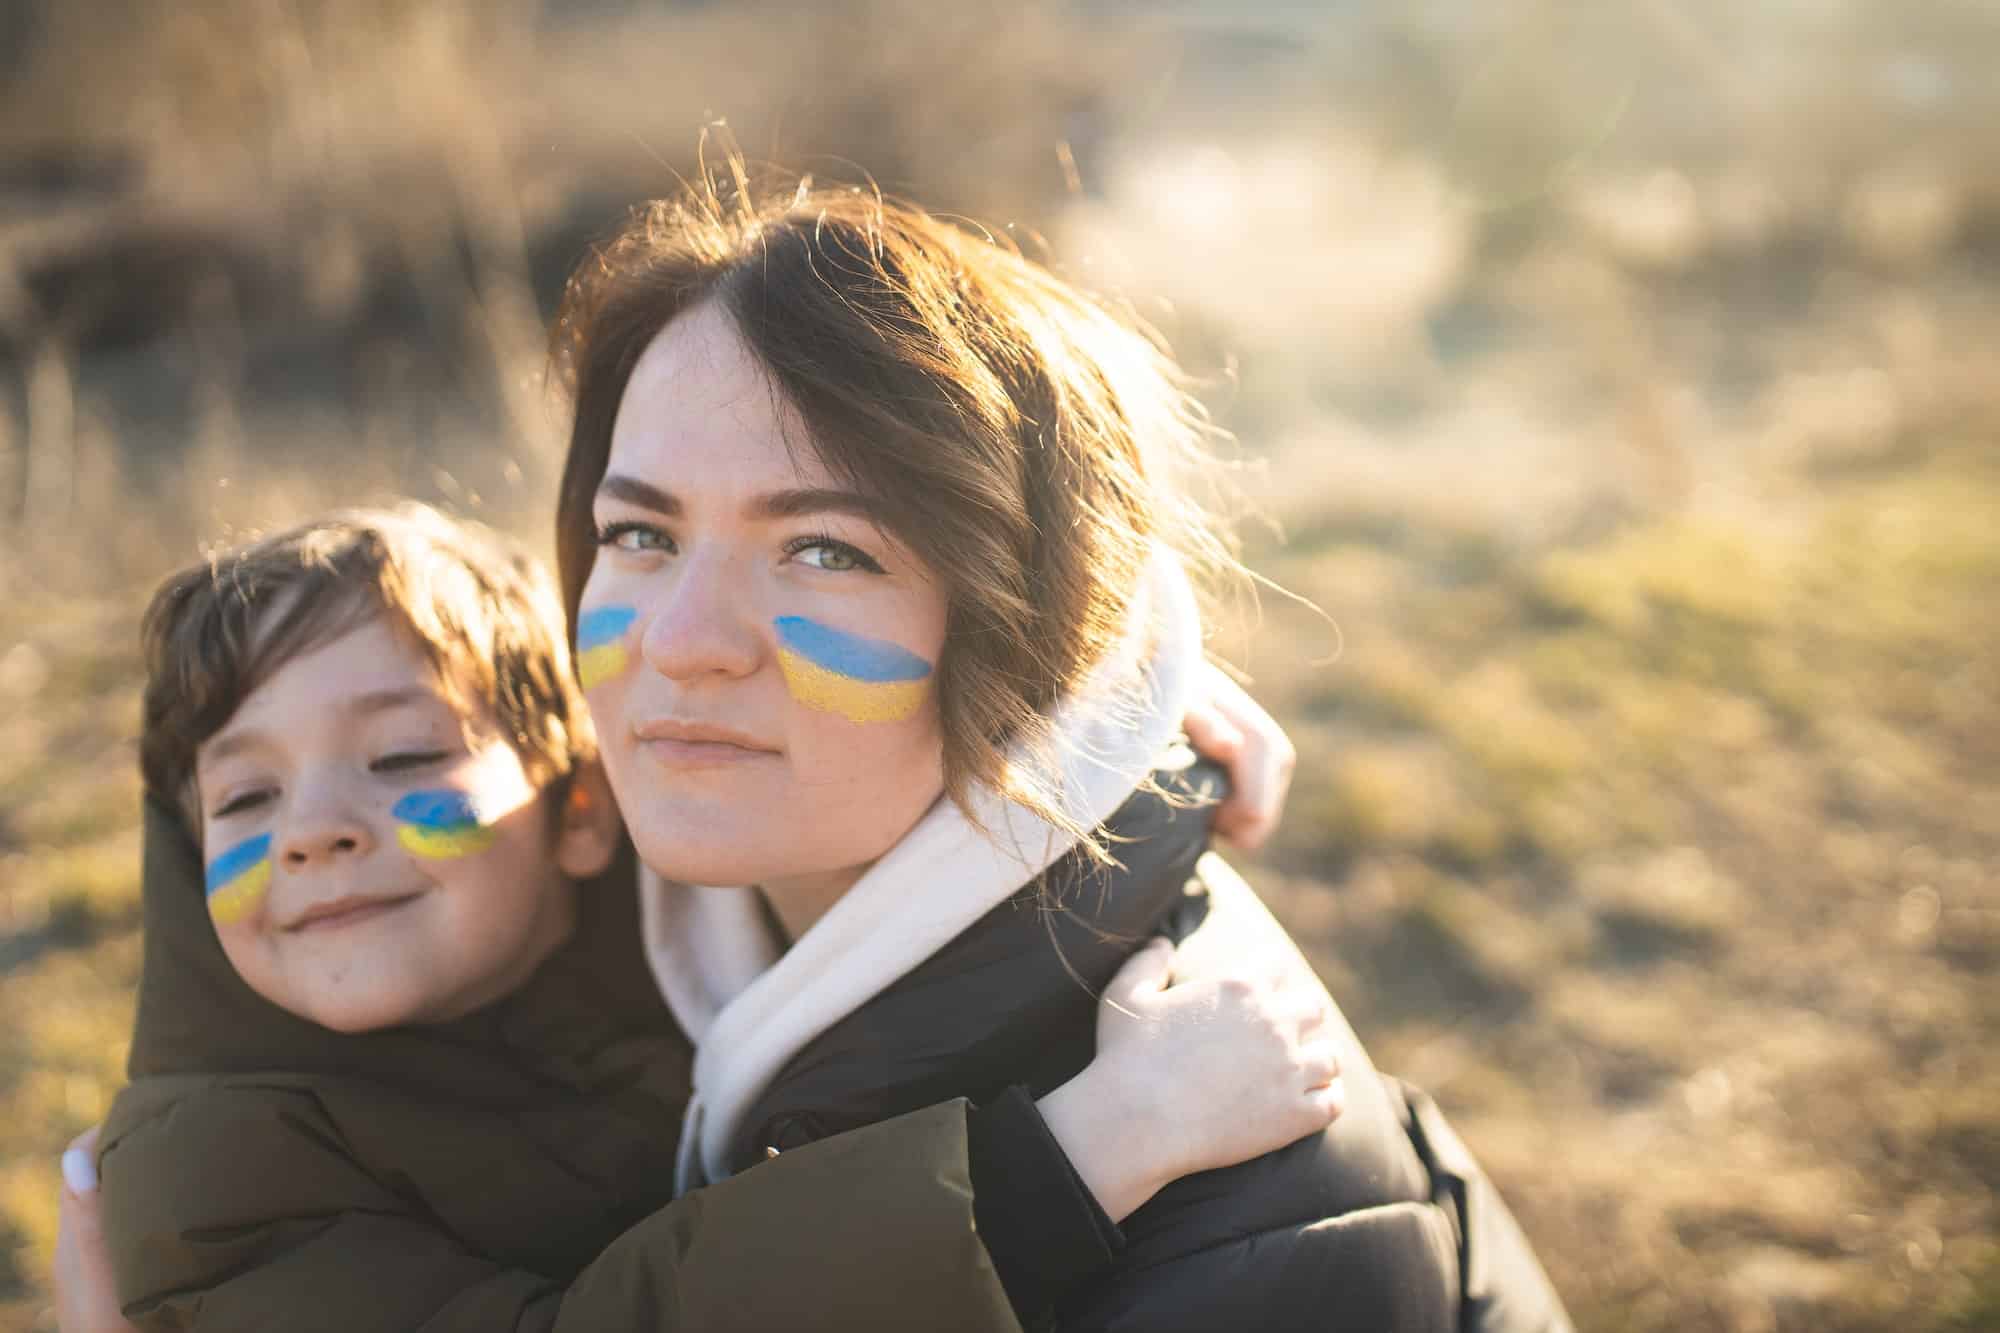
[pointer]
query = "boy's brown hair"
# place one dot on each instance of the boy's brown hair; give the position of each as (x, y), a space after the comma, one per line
(481, 610)
(1027, 441)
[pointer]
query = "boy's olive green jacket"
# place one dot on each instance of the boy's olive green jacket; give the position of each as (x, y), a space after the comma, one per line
(511, 1170)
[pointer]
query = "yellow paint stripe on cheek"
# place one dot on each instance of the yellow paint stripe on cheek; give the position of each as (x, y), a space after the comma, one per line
(856, 700)
(444, 844)
(596, 665)
(237, 899)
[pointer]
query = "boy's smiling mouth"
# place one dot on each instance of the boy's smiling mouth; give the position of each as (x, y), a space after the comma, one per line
(351, 910)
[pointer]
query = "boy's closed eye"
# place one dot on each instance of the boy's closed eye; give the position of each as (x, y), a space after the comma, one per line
(407, 760)
(242, 803)
(400, 761)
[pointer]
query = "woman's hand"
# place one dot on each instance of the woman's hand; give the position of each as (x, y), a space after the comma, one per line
(86, 1296)
(1229, 727)
(1193, 1076)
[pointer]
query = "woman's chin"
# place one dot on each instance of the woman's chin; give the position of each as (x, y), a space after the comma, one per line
(730, 856)
(717, 859)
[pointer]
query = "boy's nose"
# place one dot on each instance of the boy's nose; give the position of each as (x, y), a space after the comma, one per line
(322, 834)
(303, 851)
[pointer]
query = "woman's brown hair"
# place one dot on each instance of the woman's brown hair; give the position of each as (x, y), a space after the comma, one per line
(1023, 439)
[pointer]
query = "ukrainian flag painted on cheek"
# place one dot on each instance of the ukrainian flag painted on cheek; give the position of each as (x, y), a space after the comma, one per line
(600, 643)
(441, 825)
(861, 679)
(238, 878)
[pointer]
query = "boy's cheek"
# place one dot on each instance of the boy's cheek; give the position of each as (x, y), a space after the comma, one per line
(238, 880)
(448, 823)
(469, 813)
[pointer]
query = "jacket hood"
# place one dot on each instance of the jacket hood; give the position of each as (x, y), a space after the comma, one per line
(750, 1004)
(197, 1016)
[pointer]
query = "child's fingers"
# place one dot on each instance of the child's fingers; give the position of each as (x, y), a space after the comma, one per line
(1239, 826)
(1261, 762)
(1242, 812)
(1146, 972)
(79, 1163)
(1292, 1011)
(1248, 815)
(1212, 734)
(1319, 1064)
(1325, 1104)
(1216, 737)
(86, 1295)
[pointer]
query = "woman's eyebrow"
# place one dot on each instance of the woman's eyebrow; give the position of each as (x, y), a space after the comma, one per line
(794, 503)
(618, 486)
(815, 500)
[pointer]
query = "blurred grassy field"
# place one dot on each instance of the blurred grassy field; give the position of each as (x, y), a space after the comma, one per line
(1620, 380)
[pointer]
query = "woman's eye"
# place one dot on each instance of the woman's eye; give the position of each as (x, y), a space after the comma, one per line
(634, 537)
(238, 804)
(833, 556)
(407, 759)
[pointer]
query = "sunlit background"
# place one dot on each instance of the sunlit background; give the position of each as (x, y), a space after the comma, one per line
(1618, 378)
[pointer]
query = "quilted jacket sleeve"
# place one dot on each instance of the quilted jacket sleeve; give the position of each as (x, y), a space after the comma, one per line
(869, 1230)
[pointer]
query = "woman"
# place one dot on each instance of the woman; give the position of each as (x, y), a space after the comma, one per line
(885, 519)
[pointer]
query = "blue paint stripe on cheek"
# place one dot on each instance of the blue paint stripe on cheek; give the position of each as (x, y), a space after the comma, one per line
(855, 656)
(238, 859)
(603, 624)
(437, 809)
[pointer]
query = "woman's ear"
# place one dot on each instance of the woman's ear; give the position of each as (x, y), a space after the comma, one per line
(588, 831)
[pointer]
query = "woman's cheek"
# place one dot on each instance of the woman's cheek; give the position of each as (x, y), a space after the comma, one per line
(860, 679)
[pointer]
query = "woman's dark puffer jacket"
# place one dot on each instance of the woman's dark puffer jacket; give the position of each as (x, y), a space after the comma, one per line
(1382, 1223)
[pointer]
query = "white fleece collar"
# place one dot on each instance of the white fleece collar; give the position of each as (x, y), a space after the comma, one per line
(750, 1005)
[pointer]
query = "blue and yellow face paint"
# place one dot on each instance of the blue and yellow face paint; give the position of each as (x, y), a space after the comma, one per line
(861, 679)
(238, 878)
(441, 825)
(600, 643)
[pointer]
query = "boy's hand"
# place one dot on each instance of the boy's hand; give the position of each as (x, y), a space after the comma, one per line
(1192, 1077)
(1228, 726)
(86, 1296)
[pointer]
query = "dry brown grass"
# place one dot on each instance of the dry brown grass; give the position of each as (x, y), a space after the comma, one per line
(1677, 850)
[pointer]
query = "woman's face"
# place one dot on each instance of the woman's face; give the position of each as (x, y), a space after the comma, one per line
(758, 653)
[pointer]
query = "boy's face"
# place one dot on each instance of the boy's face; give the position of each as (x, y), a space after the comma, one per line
(370, 864)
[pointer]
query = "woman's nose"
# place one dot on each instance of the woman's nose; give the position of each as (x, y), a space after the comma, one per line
(323, 827)
(702, 623)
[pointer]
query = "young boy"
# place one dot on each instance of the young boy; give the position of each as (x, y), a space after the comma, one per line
(399, 1063)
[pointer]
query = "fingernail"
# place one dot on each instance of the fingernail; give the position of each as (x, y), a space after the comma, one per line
(79, 1172)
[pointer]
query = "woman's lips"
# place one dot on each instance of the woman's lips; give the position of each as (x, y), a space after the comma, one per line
(349, 911)
(682, 744)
